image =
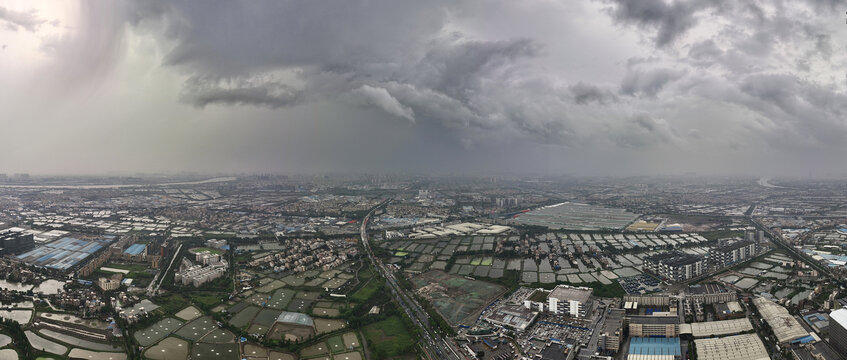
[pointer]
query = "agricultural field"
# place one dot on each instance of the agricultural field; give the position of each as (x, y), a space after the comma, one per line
(168, 349)
(157, 331)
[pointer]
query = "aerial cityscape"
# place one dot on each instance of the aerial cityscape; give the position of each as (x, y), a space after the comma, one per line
(404, 180)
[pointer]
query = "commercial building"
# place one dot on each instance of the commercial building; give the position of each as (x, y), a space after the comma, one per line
(15, 240)
(569, 300)
(675, 265)
(838, 330)
(645, 348)
(716, 328)
(511, 317)
(711, 293)
(612, 330)
(738, 347)
(653, 326)
(110, 283)
(785, 327)
(197, 275)
(732, 253)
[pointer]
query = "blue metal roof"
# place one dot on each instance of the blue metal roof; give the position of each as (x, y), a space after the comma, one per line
(135, 249)
(655, 346)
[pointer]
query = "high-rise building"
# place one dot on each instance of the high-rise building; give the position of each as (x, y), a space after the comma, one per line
(15, 241)
(838, 330)
(732, 253)
(675, 265)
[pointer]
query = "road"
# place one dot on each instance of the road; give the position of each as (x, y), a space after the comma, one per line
(434, 345)
(153, 288)
(776, 239)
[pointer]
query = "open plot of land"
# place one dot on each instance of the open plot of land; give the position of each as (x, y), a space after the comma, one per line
(157, 331)
(746, 283)
(315, 350)
(259, 299)
(275, 355)
(294, 280)
(169, 349)
(94, 355)
(254, 350)
(238, 307)
(201, 351)
(335, 344)
(299, 305)
(307, 295)
(351, 340)
(333, 283)
(9, 354)
(267, 317)
(352, 355)
(78, 342)
(258, 329)
(273, 285)
(219, 336)
(281, 299)
(197, 329)
(321, 311)
(244, 316)
(189, 313)
(455, 297)
(324, 326)
(280, 331)
(41, 343)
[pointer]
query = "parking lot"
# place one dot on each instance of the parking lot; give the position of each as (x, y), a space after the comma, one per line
(640, 284)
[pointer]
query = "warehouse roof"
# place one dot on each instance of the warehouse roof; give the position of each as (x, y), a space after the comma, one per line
(738, 347)
(716, 328)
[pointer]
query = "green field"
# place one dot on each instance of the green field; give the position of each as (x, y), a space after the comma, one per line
(388, 338)
(209, 300)
(244, 317)
(367, 291)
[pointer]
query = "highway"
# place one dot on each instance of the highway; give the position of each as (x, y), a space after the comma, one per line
(434, 345)
(776, 239)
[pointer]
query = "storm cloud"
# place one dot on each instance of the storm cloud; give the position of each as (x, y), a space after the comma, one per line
(596, 82)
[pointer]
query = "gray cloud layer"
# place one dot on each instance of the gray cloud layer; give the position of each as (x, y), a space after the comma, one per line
(601, 82)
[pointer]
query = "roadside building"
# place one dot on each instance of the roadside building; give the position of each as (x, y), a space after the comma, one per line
(612, 330)
(653, 326)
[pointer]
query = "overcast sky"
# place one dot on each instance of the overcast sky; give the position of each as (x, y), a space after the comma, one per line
(605, 87)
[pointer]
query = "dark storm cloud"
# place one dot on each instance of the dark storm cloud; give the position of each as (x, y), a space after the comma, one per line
(203, 90)
(642, 130)
(669, 19)
(587, 93)
(648, 82)
(13, 20)
(573, 79)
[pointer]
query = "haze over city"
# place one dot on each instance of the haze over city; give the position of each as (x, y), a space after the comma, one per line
(549, 87)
